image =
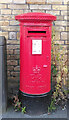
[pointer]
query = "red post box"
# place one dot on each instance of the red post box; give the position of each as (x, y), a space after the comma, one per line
(35, 53)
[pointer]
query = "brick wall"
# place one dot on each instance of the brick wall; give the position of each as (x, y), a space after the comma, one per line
(10, 29)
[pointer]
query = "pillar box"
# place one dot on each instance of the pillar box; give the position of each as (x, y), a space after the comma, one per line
(35, 53)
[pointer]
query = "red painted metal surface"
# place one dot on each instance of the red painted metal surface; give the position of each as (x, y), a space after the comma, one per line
(35, 52)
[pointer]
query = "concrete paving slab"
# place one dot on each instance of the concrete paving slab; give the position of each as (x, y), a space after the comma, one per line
(57, 114)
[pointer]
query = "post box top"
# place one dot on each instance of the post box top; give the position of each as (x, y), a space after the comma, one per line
(35, 16)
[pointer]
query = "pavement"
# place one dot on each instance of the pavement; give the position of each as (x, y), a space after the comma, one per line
(59, 114)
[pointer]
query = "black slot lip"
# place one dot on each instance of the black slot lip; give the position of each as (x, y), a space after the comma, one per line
(36, 31)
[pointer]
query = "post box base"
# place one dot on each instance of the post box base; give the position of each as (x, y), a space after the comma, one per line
(35, 105)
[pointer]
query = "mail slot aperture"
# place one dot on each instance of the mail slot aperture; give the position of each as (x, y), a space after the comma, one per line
(35, 32)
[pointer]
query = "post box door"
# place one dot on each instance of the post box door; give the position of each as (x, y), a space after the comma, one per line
(36, 62)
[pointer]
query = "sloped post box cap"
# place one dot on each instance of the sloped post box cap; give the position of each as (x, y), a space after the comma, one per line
(35, 16)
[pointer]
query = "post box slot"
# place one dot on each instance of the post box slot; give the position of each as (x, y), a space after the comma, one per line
(36, 33)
